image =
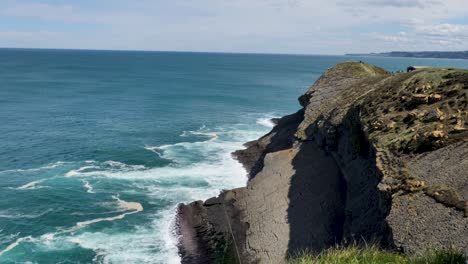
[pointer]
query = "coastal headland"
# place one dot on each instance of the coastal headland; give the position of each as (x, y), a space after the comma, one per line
(371, 157)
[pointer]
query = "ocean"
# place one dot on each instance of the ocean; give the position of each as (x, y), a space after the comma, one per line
(97, 148)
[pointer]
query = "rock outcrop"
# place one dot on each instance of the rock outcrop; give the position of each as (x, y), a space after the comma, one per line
(371, 157)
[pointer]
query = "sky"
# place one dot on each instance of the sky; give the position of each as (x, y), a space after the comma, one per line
(258, 26)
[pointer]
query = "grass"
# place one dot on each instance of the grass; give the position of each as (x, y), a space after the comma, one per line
(372, 255)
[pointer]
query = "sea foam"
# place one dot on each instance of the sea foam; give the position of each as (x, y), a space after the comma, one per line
(198, 170)
(31, 185)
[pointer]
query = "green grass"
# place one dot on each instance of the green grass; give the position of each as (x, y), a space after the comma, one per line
(372, 255)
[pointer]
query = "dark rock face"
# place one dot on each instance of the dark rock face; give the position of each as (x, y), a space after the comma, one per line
(347, 168)
(280, 138)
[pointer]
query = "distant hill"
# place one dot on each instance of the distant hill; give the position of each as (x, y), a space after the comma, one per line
(418, 54)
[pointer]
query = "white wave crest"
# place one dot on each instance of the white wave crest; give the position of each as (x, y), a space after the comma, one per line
(137, 246)
(46, 167)
(30, 186)
(211, 135)
(16, 243)
(48, 238)
(99, 168)
(16, 215)
(88, 187)
(155, 150)
(198, 171)
(77, 172)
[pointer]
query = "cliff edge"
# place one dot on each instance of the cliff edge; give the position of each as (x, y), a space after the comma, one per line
(371, 157)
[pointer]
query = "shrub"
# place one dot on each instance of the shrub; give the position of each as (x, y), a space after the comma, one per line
(373, 255)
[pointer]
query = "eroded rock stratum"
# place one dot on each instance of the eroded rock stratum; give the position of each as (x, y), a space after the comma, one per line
(371, 157)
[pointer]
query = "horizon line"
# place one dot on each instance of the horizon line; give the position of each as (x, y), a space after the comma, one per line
(173, 51)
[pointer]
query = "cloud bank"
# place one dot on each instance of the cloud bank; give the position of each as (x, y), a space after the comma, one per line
(270, 26)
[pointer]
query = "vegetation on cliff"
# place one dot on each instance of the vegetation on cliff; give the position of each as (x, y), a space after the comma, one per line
(372, 255)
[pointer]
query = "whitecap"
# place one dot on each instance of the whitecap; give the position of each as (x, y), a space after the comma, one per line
(9, 215)
(48, 238)
(181, 181)
(103, 169)
(87, 186)
(155, 150)
(77, 172)
(16, 243)
(114, 163)
(211, 135)
(137, 246)
(49, 166)
(31, 185)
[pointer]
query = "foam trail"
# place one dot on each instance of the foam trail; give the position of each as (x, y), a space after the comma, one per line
(136, 246)
(167, 225)
(128, 205)
(89, 188)
(133, 206)
(76, 172)
(49, 166)
(155, 151)
(30, 186)
(212, 135)
(80, 225)
(5, 214)
(16, 243)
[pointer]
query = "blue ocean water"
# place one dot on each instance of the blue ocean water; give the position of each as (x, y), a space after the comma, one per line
(98, 147)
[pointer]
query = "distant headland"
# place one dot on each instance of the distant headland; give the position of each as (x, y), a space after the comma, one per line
(418, 54)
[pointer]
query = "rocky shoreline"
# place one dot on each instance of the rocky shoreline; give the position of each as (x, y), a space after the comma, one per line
(371, 157)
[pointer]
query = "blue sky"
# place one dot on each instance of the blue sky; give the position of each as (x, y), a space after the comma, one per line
(266, 26)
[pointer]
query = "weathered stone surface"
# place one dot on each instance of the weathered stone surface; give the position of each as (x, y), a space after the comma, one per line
(435, 98)
(434, 115)
(359, 163)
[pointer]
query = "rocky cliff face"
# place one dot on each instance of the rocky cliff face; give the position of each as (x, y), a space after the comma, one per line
(371, 157)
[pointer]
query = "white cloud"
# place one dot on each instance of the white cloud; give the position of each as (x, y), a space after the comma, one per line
(442, 30)
(401, 37)
(395, 3)
(426, 37)
(290, 26)
(28, 34)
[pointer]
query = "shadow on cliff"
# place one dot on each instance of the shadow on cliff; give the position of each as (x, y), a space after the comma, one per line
(333, 195)
(281, 137)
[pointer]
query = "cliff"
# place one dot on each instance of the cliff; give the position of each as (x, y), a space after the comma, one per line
(371, 157)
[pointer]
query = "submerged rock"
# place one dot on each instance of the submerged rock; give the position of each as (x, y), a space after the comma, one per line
(364, 161)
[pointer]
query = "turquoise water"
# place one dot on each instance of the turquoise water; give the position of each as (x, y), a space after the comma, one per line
(98, 147)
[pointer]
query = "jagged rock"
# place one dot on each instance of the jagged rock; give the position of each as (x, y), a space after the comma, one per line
(412, 116)
(434, 115)
(352, 166)
(423, 88)
(436, 134)
(459, 127)
(391, 125)
(419, 99)
(434, 98)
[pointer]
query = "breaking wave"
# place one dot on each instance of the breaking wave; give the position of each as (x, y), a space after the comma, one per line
(199, 168)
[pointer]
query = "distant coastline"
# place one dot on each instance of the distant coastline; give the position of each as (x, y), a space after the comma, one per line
(418, 54)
